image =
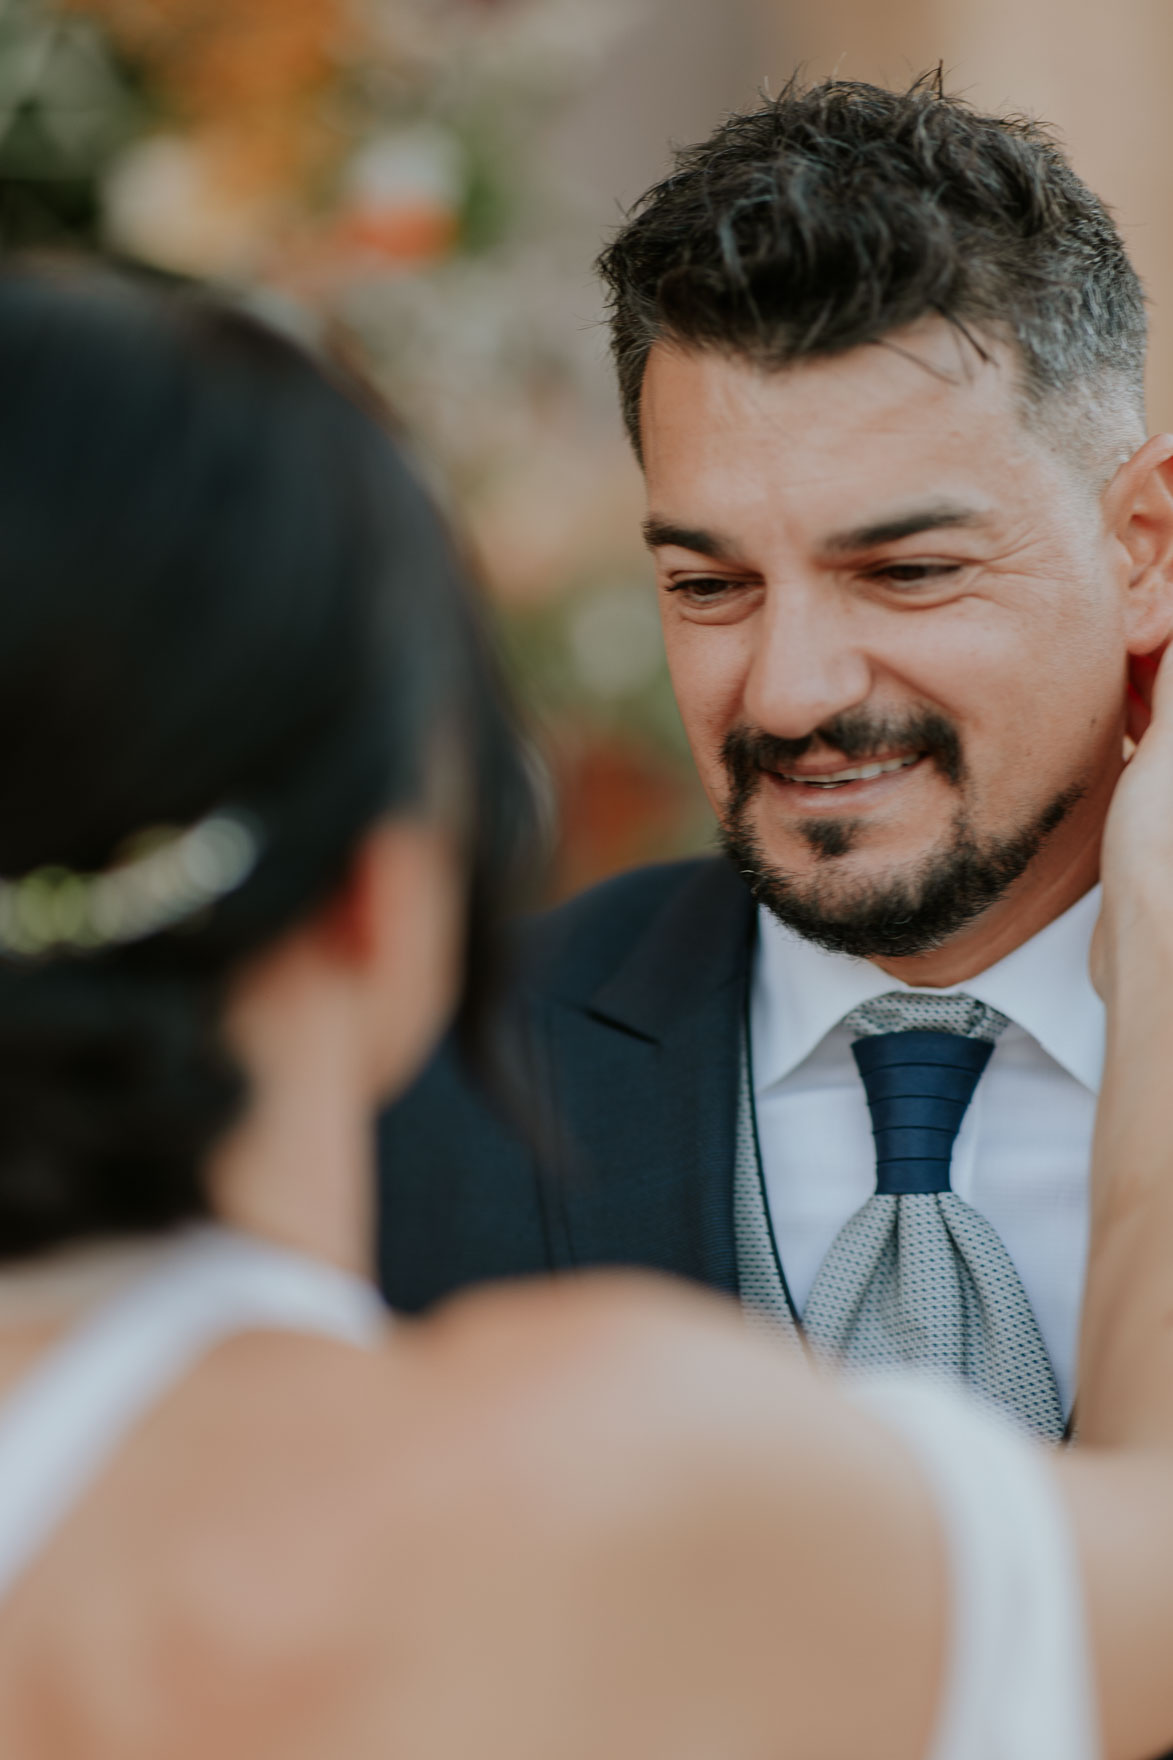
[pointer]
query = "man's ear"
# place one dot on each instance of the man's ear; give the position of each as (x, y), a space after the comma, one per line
(1138, 508)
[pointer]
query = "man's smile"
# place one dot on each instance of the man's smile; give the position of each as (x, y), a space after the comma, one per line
(813, 782)
(851, 773)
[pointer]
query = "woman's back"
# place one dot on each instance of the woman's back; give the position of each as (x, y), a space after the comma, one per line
(547, 1521)
(455, 1541)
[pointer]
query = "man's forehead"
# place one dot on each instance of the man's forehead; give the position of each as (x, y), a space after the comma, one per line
(894, 429)
(927, 373)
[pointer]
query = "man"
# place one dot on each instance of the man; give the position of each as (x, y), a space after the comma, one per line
(881, 359)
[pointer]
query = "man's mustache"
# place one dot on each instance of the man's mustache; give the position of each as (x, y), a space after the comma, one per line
(857, 734)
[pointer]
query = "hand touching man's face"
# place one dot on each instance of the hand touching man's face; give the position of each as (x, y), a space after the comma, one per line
(898, 622)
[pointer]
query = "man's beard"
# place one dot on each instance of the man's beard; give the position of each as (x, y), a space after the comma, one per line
(907, 914)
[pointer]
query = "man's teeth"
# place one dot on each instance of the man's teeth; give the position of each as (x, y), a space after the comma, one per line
(860, 773)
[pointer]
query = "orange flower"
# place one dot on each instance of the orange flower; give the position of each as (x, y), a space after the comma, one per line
(249, 77)
(211, 57)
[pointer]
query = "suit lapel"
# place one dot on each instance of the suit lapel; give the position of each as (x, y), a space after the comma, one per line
(643, 1079)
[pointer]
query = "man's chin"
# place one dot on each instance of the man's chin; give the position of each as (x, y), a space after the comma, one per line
(846, 858)
(889, 916)
(845, 899)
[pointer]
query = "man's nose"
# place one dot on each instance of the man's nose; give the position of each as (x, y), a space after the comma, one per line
(808, 664)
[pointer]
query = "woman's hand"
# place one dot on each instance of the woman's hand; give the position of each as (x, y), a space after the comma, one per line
(1137, 860)
(1126, 1352)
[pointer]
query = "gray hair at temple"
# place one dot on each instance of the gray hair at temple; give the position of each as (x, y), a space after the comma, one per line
(839, 213)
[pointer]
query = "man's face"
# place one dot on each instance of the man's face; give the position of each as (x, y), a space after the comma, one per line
(896, 628)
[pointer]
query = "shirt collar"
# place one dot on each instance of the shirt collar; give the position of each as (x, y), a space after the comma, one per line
(800, 992)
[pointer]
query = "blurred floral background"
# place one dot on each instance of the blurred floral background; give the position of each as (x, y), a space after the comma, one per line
(423, 184)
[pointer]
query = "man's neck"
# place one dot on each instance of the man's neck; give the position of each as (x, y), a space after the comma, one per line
(1033, 902)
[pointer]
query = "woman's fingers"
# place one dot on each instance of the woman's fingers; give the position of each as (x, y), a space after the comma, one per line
(1138, 836)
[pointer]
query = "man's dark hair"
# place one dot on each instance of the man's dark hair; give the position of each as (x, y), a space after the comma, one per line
(839, 213)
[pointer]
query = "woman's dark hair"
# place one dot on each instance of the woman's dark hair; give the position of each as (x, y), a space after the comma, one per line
(839, 212)
(221, 587)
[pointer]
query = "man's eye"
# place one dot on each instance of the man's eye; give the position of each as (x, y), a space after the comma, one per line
(913, 574)
(702, 587)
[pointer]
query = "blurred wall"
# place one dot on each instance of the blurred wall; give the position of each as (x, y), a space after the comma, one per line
(1101, 73)
(682, 64)
(674, 71)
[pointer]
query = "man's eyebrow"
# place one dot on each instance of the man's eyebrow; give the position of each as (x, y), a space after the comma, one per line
(661, 532)
(939, 516)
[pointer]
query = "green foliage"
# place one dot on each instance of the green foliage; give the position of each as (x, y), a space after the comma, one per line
(67, 105)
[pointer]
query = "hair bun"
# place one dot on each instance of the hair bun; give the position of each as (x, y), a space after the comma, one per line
(113, 1086)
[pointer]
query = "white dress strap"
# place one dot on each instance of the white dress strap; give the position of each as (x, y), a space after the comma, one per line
(1019, 1680)
(66, 1419)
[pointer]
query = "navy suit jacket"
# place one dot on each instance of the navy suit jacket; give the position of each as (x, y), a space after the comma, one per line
(624, 1027)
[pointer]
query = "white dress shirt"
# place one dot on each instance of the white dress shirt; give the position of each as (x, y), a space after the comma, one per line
(1022, 1154)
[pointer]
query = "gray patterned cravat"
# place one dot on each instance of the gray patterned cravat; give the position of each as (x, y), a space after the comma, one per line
(917, 1276)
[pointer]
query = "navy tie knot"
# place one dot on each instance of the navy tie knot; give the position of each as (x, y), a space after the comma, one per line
(918, 1086)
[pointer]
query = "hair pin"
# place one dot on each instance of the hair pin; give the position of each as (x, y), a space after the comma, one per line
(167, 877)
